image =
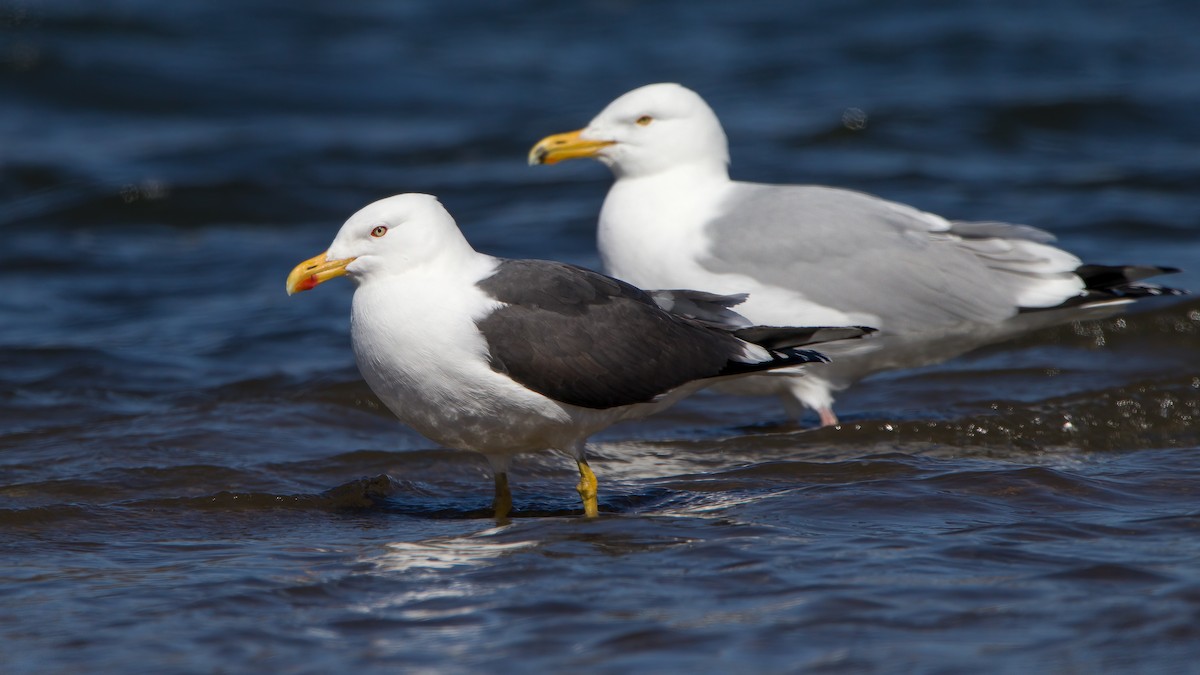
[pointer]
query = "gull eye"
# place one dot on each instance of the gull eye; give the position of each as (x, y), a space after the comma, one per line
(379, 231)
(644, 120)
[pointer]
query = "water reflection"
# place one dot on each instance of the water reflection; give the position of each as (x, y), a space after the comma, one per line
(442, 553)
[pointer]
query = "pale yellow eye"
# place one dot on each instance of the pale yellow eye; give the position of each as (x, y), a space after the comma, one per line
(644, 120)
(379, 231)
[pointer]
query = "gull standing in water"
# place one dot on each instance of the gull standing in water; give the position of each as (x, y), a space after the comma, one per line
(809, 254)
(509, 356)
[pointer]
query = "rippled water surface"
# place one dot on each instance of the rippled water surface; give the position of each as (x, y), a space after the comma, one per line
(194, 479)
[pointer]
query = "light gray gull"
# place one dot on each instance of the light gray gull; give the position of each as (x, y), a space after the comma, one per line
(510, 356)
(809, 254)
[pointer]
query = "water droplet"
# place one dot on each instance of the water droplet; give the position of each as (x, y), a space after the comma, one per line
(854, 119)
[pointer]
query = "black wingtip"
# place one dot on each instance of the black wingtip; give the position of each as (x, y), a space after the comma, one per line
(1153, 290)
(1113, 282)
(781, 337)
(798, 356)
(1115, 277)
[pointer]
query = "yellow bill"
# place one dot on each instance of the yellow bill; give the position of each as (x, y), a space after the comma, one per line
(559, 147)
(316, 270)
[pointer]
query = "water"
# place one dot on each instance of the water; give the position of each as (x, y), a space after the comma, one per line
(194, 479)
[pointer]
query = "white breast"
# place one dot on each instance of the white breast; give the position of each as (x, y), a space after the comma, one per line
(652, 234)
(419, 349)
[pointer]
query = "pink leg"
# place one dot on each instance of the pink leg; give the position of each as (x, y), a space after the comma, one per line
(828, 418)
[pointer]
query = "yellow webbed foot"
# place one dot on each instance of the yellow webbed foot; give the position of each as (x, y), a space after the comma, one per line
(587, 489)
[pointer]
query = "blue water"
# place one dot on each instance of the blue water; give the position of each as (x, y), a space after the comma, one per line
(194, 479)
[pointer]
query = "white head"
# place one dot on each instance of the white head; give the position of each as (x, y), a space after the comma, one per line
(386, 237)
(645, 131)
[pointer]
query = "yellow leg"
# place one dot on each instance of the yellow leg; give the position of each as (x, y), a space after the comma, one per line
(587, 489)
(503, 501)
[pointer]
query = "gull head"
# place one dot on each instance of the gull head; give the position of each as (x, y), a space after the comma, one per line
(385, 237)
(645, 131)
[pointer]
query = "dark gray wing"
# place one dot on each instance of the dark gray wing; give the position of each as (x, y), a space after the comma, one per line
(776, 337)
(582, 338)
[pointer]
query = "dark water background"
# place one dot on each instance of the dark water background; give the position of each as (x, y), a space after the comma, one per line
(194, 479)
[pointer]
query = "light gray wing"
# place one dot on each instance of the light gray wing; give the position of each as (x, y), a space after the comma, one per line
(855, 252)
(708, 309)
(990, 229)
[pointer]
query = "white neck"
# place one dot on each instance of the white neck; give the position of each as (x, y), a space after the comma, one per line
(426, 314)
(649, 220)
